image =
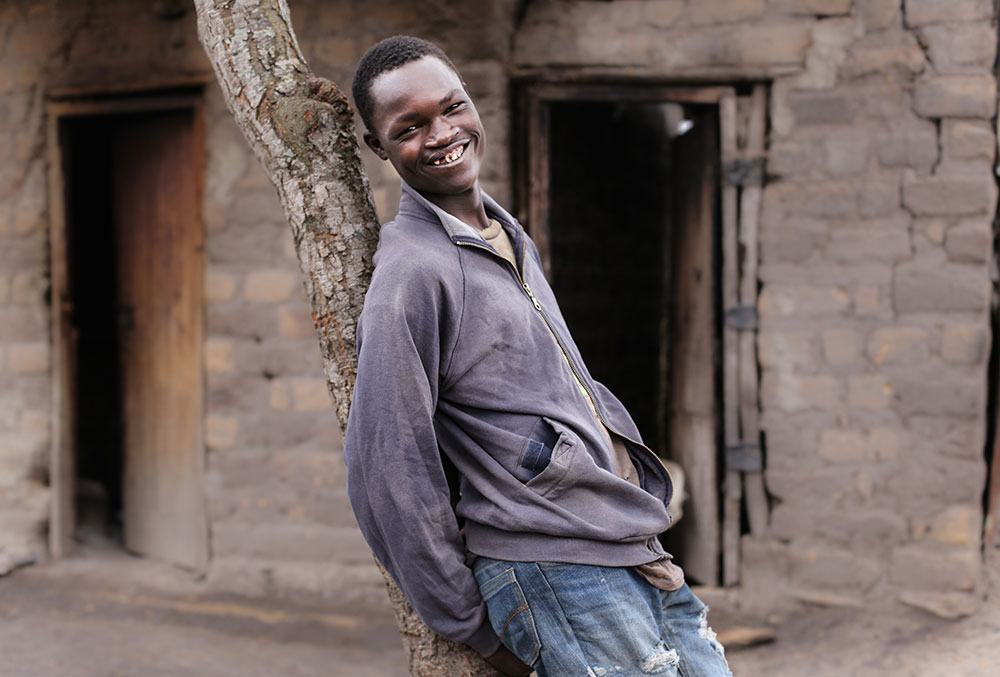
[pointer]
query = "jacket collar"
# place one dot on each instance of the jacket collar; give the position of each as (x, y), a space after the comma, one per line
(414, 203)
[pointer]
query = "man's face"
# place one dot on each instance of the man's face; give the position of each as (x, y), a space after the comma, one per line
(426, 125)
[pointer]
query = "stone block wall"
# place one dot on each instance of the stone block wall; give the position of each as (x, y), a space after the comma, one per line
(875, 337)
(876, 241)
(279, 519)
(25, 402)
(279, 515)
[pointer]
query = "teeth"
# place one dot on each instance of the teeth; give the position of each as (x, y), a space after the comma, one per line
(450, 157)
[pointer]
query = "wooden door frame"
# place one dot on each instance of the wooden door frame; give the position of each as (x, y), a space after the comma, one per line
(531, 188)
(741, 478)
(61, 104)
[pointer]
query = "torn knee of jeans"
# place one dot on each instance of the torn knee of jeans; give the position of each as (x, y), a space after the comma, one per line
(660, 659)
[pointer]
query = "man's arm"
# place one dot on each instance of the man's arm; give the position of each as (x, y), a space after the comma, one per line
(396, 481)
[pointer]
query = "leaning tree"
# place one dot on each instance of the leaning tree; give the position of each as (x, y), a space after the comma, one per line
(301, 127)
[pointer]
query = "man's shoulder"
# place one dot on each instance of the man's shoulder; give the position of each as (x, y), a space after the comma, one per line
(409, 242)
(413, 257)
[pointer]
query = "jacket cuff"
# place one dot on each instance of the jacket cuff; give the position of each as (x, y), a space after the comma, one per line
(484, 640)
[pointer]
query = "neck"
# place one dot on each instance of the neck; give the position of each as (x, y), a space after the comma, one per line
(467, 206)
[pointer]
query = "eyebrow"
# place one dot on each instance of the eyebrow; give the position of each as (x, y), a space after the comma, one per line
(407, 117)
(449, 95)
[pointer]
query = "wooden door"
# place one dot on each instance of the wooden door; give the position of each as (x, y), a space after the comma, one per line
(693, 344)
(159, 252)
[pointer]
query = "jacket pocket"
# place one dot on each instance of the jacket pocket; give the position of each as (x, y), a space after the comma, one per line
(536, 451)
(550, 478)
(511, 616)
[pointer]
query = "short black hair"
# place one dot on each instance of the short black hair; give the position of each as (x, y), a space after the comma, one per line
(388, 55)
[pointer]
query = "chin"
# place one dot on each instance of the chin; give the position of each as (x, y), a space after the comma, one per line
(456, 186)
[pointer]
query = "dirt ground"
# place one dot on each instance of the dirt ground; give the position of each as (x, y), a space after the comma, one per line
(107, 614)
(828, 643)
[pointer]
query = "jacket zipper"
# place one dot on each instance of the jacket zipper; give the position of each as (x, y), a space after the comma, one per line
(562, 348)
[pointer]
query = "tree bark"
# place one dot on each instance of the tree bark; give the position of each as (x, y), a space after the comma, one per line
(302, 129)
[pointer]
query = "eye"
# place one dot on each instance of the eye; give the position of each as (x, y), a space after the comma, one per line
(406, 132)
(455, 106)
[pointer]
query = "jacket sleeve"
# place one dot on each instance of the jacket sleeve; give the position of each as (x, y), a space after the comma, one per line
(395, 478)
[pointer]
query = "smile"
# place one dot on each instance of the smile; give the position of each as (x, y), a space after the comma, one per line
(450, 158)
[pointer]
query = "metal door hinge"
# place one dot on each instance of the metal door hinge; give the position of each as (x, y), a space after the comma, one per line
(745, 457)
(742, 318)
(745, 172)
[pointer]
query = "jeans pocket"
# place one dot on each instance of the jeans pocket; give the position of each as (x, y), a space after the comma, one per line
(510, 615)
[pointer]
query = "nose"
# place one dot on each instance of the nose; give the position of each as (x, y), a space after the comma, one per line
(442, 133)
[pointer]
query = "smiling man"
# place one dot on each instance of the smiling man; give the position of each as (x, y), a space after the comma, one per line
(505, 490)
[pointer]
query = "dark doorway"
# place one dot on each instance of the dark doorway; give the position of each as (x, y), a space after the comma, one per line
(93, 280)
(129, 329)
(610, 240)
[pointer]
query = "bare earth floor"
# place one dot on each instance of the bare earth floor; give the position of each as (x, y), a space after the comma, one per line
(120, 616)
(124, 617)
(829, 643)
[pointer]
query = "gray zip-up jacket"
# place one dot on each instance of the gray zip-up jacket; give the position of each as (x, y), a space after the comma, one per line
(462, 357)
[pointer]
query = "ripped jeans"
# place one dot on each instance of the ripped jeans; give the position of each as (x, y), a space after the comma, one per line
(569, 620)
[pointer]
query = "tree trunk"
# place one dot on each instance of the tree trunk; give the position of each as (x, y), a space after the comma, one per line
(302, 130)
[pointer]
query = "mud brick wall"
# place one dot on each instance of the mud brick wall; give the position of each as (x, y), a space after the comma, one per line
(876, 239)
(279, 519)
(280, 516)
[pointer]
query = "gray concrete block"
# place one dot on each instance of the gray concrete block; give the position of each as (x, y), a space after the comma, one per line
(959, 96)
(945, 196)
(949, 287)
(920, 12)
(961, 47)
(915, 146)
(822, 108)
(970, 241)
(932, 390)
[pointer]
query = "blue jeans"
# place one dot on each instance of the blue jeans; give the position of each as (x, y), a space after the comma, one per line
(570, 620)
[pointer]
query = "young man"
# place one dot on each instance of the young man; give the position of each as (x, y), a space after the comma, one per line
(505, 490)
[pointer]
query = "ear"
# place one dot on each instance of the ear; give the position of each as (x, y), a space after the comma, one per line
(376, 146)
